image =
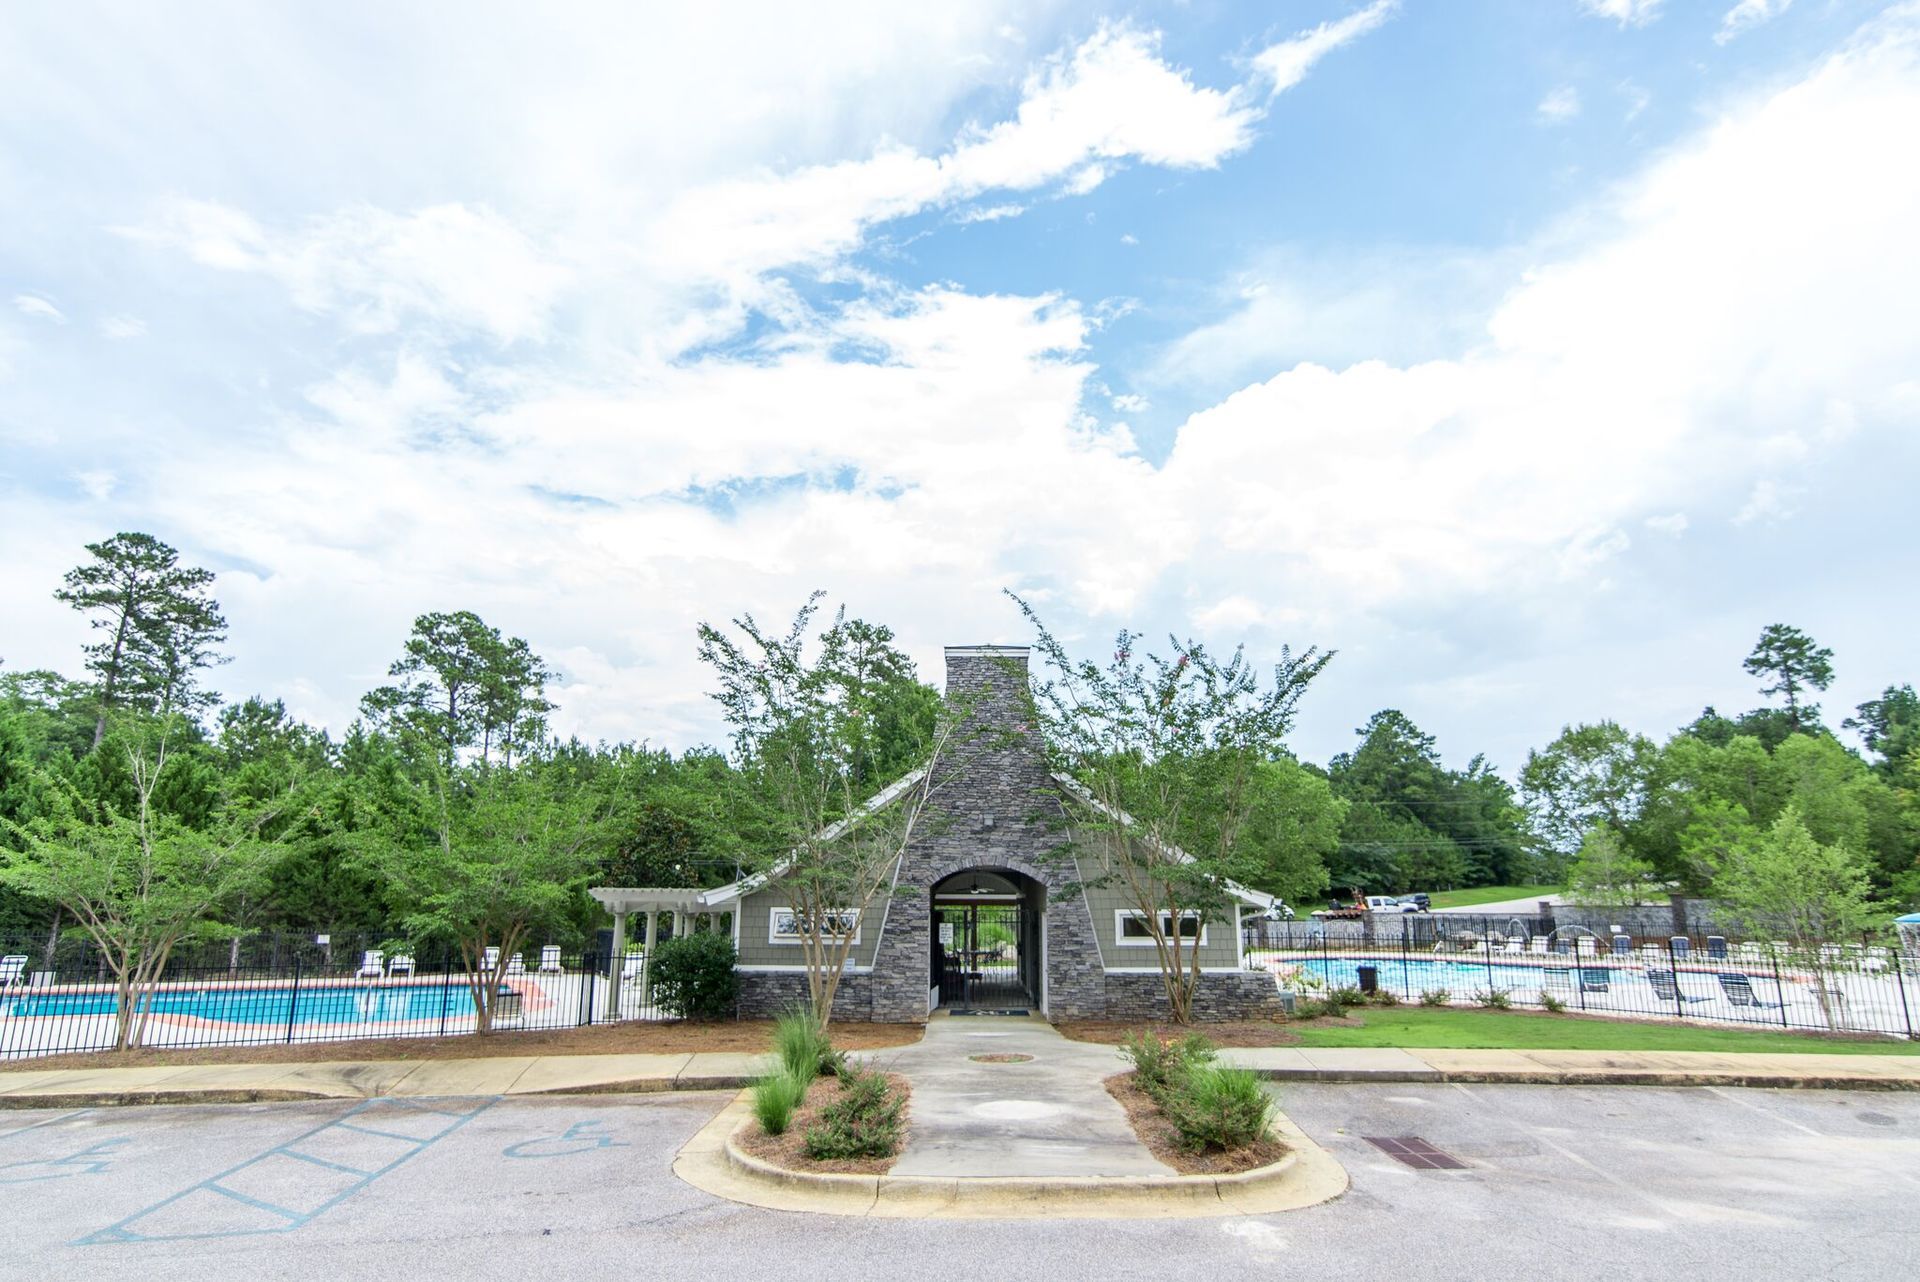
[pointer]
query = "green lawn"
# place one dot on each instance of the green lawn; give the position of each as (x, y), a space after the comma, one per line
(1512, 1030)
(1490, 895)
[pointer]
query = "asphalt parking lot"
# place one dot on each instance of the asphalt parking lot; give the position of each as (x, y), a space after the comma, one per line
(1558, 1183)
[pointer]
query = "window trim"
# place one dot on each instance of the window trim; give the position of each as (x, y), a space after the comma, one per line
(793, 940)
(1122, 940)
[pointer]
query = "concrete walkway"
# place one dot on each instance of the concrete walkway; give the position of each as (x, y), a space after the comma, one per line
(1049, 1117)
(949, 1090)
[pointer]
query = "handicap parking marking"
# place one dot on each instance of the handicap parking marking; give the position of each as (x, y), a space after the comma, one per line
(290, 1185)
(42, 1123)
(581, 1137)
(92, 1160)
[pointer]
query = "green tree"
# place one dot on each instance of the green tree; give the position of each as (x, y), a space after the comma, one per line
(1790, 665)
(1590, 774)
(139, 883)
(1604, 873)
(463, 686)
(485, 859)
(808, 739)
(1167, 753)
(1889, 725)
(1788, 886)
(1292, 829)
(158, 626)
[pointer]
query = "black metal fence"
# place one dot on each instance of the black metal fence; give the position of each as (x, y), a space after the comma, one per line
(1863, 987)
(75, 1004)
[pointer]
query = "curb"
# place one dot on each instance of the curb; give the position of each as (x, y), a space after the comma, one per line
(714, 1163)
(278, 1095)
(1596, 1077)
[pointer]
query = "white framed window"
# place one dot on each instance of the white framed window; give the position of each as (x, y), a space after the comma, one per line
(783, 925)
(1130, 928)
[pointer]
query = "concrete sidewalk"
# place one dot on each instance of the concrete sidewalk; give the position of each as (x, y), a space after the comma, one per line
(348, 1079)
(591, 1074)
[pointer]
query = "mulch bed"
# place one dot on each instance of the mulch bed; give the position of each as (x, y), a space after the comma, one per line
(635, 1038)
(1163, 1141)
(788, 1149)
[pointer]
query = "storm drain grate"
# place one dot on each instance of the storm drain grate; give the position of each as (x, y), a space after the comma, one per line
(1415, 1152)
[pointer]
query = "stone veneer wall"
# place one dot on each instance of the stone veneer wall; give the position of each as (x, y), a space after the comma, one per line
(766, 994)
(1245, 994)
(999, 812)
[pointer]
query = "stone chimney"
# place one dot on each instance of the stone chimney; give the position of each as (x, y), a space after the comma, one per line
(995, 679)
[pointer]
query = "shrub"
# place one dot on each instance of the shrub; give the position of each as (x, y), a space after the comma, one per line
(775, 1096)
(1218, 1108)
(1385, 997)
(803, 1048)
(693, 977)
(864, 1119)
(1339, 999)
(1435, 997)
(1552, 1003)
(1494, 998)
(1159, 1067)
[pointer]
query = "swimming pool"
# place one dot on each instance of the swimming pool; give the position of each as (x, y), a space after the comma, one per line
(1415, 976)
(314, 1005)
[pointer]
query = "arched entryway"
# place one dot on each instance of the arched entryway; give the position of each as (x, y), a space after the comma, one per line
(986, 941)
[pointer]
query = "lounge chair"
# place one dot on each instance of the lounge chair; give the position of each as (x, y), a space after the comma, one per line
(1716, 948)
(550, 959)
(1623, 945)
(1556, 977)
(1666, 986)
(1739, 990)
(1680, 946)
(490, 961)
(400, 964)
(1587, 946)
(1595, 979)
(13, 969)
(633, 966)
(1538, 944)
(516, 965)
(1515, 945)
(372, 965)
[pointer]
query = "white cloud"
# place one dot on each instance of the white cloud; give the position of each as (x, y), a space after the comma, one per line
(97, 483)
(1130, 403)
(122, 327)
(1637, 98)
(1628, 13)
(1769, 502)
(39, 308)
(1748, 14)
(1672, 524)
(1286, 64)
(1559, 106)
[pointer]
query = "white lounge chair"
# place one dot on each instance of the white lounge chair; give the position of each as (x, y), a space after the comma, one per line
(1586, 946)
(13, 969)
(372, 965)
(1515, 945)
(1538, 944)
(516, 965)
(633, 966)
(399, 964)
(490, 961)
(550, 959)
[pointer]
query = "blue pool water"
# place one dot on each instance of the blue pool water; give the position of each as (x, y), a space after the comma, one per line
(315, 1005)
(1457, 976)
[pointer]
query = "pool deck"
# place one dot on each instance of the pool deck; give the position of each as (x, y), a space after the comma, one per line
(599, 1074)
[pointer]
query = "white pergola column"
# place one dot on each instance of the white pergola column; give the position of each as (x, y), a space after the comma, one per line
(646, 964)
(614, 962)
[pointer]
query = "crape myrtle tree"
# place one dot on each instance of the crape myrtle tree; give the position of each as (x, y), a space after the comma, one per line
(484, 858)
(816, 721)
(137, 881)
(157, 627)
(1789, 886)
(1166, 753)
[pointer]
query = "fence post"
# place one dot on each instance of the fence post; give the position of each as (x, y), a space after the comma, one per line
(1779, 989)
(446, 991)
(1673, 968)
(1900, 980)
(293, 998)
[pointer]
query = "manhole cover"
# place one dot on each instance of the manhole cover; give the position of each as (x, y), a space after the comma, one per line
(1002, 1057)
(1015, 1110)
(1413, 1151)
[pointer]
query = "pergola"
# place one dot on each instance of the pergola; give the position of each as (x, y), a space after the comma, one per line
(685, 903)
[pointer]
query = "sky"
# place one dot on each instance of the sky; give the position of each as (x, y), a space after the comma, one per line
(1531, 355)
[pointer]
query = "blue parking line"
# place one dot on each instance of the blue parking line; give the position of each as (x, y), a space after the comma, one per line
(49, 1121)
(125, 1231)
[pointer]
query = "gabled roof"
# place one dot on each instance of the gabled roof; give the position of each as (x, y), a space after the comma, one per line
(1258, 898)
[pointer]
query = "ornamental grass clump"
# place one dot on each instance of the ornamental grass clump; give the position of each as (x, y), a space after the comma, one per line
(863, 1120)
(1217, 1108)
(775, 1097)
(802, 1046)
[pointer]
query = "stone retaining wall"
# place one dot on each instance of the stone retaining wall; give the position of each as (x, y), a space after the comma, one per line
(1245, 994)
(766, 994)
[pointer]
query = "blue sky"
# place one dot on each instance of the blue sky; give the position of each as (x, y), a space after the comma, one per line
(1534, 355)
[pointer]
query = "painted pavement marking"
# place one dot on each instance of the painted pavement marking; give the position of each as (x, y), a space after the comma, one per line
(91, 1160)
(45, 1121)
(581, 1137)
(291, 1184)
